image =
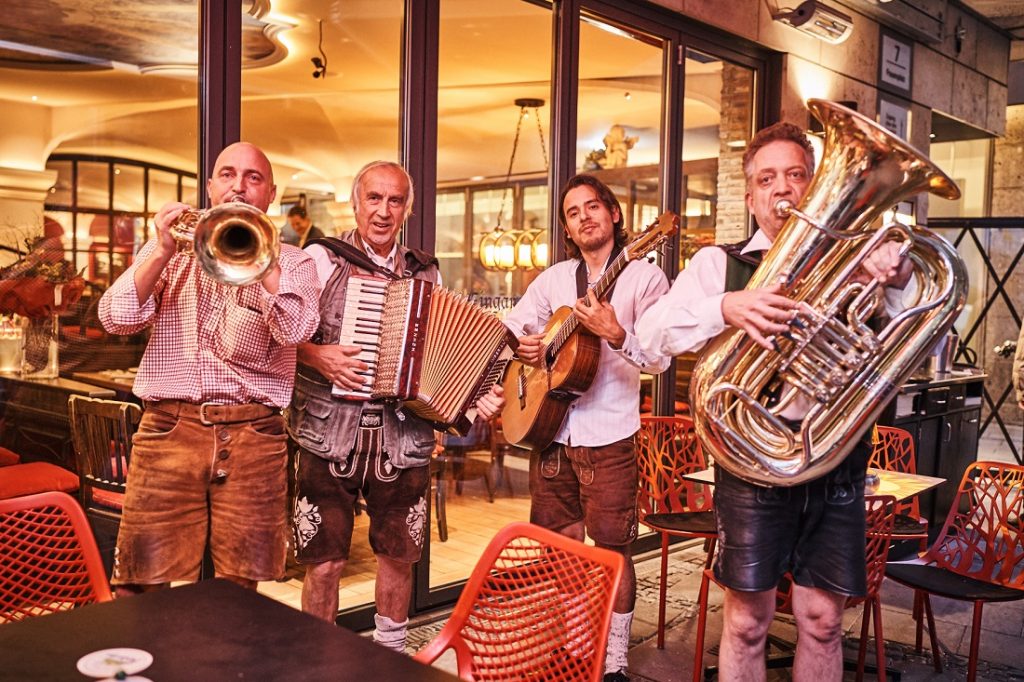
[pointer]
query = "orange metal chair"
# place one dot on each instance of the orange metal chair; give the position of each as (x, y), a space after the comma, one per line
(880, 516)
(537, 606)
(894, 451)
(667, 448)
(49, 558)
(979, 553)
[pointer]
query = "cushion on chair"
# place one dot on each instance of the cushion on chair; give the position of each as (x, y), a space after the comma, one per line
(108, 498)
(8, 458)
(948, 584)
(35, 477)
(683, 522)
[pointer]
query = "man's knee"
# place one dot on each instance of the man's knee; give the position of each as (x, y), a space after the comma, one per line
(325, 571)
(819, 614)
(748, 615)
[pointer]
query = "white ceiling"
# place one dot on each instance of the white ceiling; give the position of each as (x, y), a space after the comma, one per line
(118, 78)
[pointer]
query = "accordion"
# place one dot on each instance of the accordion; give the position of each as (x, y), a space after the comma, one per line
(424, 345)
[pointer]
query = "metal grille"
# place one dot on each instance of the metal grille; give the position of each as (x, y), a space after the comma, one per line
(996, 246)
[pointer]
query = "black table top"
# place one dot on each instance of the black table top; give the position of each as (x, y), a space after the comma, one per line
(211, 630)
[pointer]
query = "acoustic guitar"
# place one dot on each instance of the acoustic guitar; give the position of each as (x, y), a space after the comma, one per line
(537, 398)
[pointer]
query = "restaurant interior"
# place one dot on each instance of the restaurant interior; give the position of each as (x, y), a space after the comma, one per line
(114, 108)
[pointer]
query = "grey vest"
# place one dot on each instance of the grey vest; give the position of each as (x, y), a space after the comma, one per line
(327, 426)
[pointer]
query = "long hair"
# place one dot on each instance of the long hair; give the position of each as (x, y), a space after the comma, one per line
(605, 196)
(357, 184)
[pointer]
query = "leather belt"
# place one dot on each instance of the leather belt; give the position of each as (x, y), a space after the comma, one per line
(213, 413)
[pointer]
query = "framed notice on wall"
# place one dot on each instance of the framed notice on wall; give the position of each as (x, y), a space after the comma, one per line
(894, 116)
(895, 63)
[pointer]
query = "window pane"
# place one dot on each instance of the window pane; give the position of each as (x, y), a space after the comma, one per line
(129, 188)
(493, 113)
(620, 106)
(492, 53)
(718, 115)
(319, 131)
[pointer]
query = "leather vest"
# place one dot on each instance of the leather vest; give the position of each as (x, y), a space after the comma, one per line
(326, 425)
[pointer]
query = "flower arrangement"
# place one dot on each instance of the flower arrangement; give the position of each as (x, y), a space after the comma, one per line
(41, 282)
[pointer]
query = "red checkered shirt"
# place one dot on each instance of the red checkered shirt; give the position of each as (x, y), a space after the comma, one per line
(214, 342)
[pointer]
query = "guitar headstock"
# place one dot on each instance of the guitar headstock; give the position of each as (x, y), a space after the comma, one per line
(656, 234)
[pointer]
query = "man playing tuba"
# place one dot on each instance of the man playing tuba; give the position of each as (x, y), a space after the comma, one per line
(814, 530)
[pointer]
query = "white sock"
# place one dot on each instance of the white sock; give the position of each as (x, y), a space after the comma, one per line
(618, 642)
(389, 633)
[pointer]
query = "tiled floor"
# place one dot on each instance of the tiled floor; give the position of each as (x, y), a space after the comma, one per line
(1002, 642)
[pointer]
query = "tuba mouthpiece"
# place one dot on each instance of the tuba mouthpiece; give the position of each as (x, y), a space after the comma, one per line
(783, 207)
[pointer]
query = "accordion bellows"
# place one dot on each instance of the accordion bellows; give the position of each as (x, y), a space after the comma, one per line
(425, 345)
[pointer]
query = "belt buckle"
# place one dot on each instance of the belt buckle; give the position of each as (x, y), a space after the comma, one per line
(202, 414)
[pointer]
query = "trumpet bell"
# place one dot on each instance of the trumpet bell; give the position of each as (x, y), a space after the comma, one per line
(236, 243)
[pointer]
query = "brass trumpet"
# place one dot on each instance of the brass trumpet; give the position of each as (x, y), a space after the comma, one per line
(234, 243)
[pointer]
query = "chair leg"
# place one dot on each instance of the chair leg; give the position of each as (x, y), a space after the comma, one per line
(702, 616)
(442, 512)
(936, 659)
(663, 590)
(876, 606)
(862, 650)
(918, 616)
(972, 661)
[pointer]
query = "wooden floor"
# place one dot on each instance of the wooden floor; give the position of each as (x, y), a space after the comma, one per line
(472, 521)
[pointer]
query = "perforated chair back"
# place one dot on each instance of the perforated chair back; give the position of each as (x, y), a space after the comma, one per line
(983, 537)
(668, 448)
(536, 607)
(894, 451)
(101, 433)
(49, 558)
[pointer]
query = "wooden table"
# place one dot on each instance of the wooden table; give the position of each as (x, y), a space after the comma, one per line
(210, 630)
(118, 380)
(900, 485)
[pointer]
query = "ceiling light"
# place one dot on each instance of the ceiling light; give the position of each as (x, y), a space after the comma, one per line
(817, 19)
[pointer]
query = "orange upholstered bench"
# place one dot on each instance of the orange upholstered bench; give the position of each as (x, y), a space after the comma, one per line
(17, 480)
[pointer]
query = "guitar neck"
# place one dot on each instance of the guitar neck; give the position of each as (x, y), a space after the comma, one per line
(600, 288)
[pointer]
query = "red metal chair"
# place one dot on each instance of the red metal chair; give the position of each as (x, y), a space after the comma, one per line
(49, 558)
(537, 606)
(894, 451)
(880, 515)
(979, 553)
(667, 448)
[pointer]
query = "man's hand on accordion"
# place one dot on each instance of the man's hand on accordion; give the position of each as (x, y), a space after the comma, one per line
(338, 363)
(492, 403)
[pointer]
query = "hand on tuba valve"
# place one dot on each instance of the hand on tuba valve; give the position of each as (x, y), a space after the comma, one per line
(235, 243)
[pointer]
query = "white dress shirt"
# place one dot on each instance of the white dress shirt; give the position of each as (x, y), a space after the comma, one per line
(610, 409)
(690, 315)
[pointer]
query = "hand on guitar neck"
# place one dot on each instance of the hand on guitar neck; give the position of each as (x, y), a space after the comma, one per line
(599, 317)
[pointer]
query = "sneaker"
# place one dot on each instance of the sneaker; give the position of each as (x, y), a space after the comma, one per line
(617, 676)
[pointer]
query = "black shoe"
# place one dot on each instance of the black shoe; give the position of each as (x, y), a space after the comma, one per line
(617, 676)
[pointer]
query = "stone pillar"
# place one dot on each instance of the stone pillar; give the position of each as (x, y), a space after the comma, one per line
(22, 193)
(1002, 246)
(733, 129)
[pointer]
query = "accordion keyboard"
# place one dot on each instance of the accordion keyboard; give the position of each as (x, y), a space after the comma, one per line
(361, 326)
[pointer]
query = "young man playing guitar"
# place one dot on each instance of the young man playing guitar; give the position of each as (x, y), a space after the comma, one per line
(586, 480)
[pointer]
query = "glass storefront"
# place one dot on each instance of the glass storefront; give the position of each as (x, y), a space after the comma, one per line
(102, 130)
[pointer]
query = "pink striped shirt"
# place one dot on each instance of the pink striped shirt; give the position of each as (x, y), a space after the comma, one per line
(214, 342)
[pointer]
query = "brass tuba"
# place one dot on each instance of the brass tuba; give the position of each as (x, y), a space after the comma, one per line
(830, 360)
(235, 243)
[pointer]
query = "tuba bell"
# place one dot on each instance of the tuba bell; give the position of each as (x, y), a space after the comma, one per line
(235, 243)
(830, 360)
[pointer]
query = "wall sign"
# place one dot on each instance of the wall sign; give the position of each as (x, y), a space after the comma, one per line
(894, 116)
(895, 63)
